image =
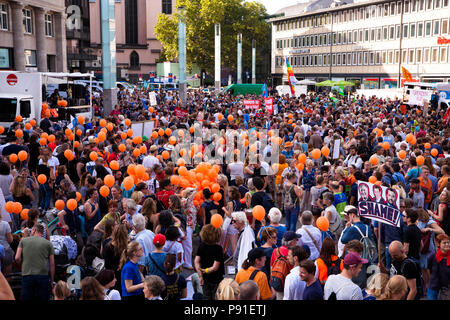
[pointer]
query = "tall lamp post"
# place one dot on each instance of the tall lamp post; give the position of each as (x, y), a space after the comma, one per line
(217, 72)
(239, 58)
(253, 61)
(108, 31)
(182, 53)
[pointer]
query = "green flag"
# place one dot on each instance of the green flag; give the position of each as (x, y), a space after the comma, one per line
(341, 90)
(333, 98)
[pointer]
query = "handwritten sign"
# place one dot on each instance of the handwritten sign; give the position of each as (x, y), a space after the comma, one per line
(416, 97)
(181, 113)
(269, 105)
(379, 203)
(252, 104)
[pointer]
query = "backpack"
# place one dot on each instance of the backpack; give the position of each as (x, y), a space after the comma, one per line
(267, 202)
(333, 267)
(370, 251)
(172, 291)
(280, 270)
(290, 199)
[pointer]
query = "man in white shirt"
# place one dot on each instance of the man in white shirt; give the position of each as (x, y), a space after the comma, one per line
(53, 161)
(293, 285)
(150, 160)
(311, 236)
(143, 236)
(353, 159)
(341, 285)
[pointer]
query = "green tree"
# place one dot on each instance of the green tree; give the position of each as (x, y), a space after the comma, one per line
(234, 16)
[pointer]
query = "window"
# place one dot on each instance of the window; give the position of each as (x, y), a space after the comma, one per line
(413, 5)
(344, 38)
(3, 16)
(392, 8)
(406, 6)
(420, 29)
(167, 6)
(437, 4)
(384, 57)
(379, 34)
(366, 58)
(354, 58)
(386, 9)
(411, 56)
(349, 37)
(396, 56)
(366, 35)
(436, 29)
(391, 32)
(367, 13)
(361, 13)
(344, 59)
(444, 26)
(421, 5)
(397, 32)
(355, 36)
(350, 15)
(391, 57)
(349, 59)
(419, 56)
(404, 56)
(380, 10)
(360, 58)
(372, 35)
(412, 30)
(339, 39)
(27, 21)
(371, 58)
(428, 28)
(319, 62)
(426, 55)
(429, 4)
(361, 34)
(385, 33)
(405, 31)
(443, 55)
(134, 60)
(49, 25)
(445, 3)
(131, 21)
(30, 58)
(399, 7)
(434, 55)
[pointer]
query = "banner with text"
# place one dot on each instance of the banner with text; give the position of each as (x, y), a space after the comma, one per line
(379, 203)
(252, 104)
(181, 113)
(269, 105)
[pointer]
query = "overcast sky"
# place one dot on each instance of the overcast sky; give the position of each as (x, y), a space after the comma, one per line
(273, 5)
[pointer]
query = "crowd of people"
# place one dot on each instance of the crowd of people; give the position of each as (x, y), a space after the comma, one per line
(94, 211)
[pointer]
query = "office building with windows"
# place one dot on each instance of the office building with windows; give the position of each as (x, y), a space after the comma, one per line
(32, 35)
(137, 49)
(368, 42)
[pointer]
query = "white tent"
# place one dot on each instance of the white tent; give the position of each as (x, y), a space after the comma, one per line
(307, 82)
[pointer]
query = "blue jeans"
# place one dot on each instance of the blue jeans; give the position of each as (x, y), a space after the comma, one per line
(46, 196)
(291, 218)
(36, 288)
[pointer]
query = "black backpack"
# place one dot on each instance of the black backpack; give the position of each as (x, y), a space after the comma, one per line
(172, 290)
(267, 202)
(333, 267)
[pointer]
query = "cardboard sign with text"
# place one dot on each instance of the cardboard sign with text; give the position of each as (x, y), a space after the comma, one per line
(252, 104)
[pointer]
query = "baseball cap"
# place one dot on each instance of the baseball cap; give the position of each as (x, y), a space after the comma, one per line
(159, 239)
(350, 209)
(153, 148)
(291, 235)
(144, 138)
(352, 258)
(255, 253)
(415, 180)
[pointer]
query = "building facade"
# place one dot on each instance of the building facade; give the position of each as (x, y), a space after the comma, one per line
(368, 42)
(137, 49)
(32, 35)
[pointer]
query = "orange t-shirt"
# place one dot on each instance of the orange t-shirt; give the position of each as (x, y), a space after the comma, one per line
(260, 279)
(428, 188)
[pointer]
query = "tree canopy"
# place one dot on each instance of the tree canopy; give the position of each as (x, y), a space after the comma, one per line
(234, 16)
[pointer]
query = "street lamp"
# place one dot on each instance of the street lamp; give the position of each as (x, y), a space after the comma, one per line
(182, 53)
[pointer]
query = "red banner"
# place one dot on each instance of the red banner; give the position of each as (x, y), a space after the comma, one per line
(252, 104)
(181, 113)
(269, 105)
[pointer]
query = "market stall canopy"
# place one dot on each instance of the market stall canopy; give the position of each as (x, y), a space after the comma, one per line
(307, 82)
(326, 83)
(344, 83)
(237, 89)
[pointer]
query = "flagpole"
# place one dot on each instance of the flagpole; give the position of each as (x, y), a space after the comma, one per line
(379, 242)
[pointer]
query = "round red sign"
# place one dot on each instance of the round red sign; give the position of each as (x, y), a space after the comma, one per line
(11, 79)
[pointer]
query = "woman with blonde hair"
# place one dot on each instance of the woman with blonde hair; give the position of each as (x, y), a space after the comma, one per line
(137, 196)
(61, 291)
(395, 289)
(132, 279)
(375, 286)
(20, 192)
(228, 289)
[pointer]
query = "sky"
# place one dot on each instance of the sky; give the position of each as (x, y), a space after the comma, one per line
(273, 5)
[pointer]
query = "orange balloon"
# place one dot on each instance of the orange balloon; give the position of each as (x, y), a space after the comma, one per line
(42, 178)
(215, 187)
(322, 223)
(175, 179)
(181, 162)
(101, 136)
(434, 152)
(2, 129)
(123, 135)
(143, 149)
(136, 140)
(33, 122)
(420, 160)
(409, 137)
(386, 145)
(68, 132)
(9, 206)
(217, 196)
(413, 141)
(128, 183)
(151, 109)
(230, 118)
(24, 214)
(80, 119)
(172, 140)
(110, 127)
(51, 138)
(316, 153)
(259, 212)
(161, 132)
(13, 157)
(42, 141)
(109, 180)
(427, 145)
(102, 123)
(378, 183)
(122, 147)
(373, 179)
(72, 137)
(302, 158)
(19, 118)
(165, 154)
(114, 165)
(19, 133)
(191, 129)
(129, 133)
(154, 134)
(127, 122)
(216, 220)
(28, 126)
(140, 170)
(402, 154)
(17, 207)
(182, 171)
(104, 191)
(59, 204)
(93, 156)
(325, 151)
(68, 154)
(373, 160)
(131, 170)
(78, 196)
(72, 204)
(23, 155)
(136, 153)
(300, 167)
(79, 132)
(168, 132)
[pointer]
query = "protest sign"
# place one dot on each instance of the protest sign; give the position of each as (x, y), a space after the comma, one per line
(181, 113)
(269, 105)
(379, 203)
(152, 98)
(416, 97)
(252, 104)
